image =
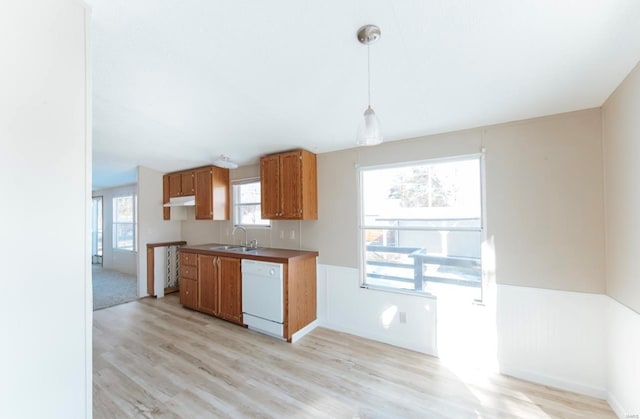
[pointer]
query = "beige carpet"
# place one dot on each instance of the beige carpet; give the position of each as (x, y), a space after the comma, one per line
(111, 288)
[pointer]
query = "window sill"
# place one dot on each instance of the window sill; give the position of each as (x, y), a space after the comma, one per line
(116, 249)
(420, 294)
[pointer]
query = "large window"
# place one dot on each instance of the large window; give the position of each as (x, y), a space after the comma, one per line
(246, 205)
(124, 222)
(421, 225)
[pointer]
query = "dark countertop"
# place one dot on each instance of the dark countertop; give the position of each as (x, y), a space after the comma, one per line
(266, 254)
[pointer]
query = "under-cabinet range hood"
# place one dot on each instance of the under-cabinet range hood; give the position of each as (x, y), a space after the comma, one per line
(181, 201)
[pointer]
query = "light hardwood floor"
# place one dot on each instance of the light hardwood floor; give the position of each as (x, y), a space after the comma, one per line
(152, 358)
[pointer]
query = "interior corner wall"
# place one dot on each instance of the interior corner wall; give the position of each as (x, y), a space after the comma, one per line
(621, 140)
(544, 213)
(45, 143)
(124, 261)
(152, 228)
(621, 132)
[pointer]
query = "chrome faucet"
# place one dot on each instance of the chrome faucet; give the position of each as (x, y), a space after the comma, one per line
(233, 233)
(253, 244)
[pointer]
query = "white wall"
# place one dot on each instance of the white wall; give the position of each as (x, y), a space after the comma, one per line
(621, 139)
(45, 159)
(623, 360)
(545, 201)
(152, 228)
(344, 306)
(117, 259)
(621, 131)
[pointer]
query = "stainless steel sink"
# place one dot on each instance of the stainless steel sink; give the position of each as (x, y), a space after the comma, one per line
(229, 247)
(234, 248)
(244, 249)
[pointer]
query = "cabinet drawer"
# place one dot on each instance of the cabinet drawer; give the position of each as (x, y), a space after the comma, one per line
(188, 272)
(187, 259)
(189, 293)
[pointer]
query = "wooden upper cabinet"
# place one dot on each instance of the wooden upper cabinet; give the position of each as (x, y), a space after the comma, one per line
(212, 193)
(208, 284)
(230, 289)
(289, 186)
(166, 211)
(204, 200)
(187, 181)
(175, 185)
(270, 186)
(181, 184)
(210, 185)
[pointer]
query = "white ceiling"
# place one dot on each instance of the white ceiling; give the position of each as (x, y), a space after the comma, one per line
(178, 82)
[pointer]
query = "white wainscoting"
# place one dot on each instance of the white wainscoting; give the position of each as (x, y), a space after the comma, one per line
(556, 338)
(344, 306)
(623, 359)
(580, 342)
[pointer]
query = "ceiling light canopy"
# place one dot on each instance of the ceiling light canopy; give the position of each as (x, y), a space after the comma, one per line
(369, 132)
(225, 162)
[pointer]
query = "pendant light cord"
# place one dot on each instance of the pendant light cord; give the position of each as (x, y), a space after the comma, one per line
(368, 76)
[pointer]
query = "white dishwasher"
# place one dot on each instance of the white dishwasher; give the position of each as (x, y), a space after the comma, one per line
(263, 297)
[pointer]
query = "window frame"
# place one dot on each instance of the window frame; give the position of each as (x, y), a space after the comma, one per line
(235, 205)
(134, 222)
(362, 227)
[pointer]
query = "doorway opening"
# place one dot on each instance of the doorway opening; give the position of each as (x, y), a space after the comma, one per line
(114, 246)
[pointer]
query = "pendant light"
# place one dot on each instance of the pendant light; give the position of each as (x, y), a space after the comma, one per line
(369, 132)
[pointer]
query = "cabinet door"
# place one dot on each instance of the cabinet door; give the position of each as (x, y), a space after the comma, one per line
(175, 185)
(189, 293)
(166, 211)
(208, 284)
(203, 191)
(291, 185)
(187, 183)
(220, 188)
(270, 187)
(230, 289)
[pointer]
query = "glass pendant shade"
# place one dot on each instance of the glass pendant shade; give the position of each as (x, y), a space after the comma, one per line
(369, 132)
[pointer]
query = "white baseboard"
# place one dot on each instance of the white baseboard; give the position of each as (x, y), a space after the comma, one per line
(300, 333)
(615, 405)
(379, 338)
(557, 382)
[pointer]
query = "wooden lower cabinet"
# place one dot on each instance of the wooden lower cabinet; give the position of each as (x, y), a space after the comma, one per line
(189, 293)
(208, 284)
(230, 287)
(218, 287)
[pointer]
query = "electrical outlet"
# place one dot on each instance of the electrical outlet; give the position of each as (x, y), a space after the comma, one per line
(292, 234)
(282, 234)
(403, 316)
